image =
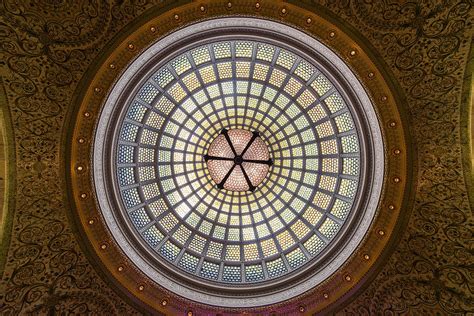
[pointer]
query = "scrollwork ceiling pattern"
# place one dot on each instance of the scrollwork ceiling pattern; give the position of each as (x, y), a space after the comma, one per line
(46, 48)
(425, 44)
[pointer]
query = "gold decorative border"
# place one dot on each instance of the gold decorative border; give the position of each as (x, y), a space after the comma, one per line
(347, 278)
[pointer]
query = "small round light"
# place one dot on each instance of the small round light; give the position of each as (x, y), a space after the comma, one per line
(391, 207)
(393, 124)
(366, 257)
(103, 246)
(87, 114)
(91, 221)
(283, 11)
(381, 233)
(257, 5)
(348, 278)
(131, 46)
(309, 21)
(229, 5)
(152, 29)
(397, 151)
(384, 98)
(396, 179)
(202, 8)
(301, 309)
(164, 302)
(83, 195)
(112, 66)
(120, 269)
(352, 53)
(141, 288)
(176, 17)
(97, 89)
(332, 34)
(80, 168)
(370, 74)
(81, 140)
(190, 313)
(326, 295)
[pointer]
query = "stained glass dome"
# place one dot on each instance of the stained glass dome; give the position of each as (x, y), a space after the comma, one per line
(237, 161)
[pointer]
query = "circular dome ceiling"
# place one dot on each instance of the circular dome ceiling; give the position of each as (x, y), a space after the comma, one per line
(236, 159)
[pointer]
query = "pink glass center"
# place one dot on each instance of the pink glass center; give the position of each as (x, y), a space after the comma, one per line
(238, 160)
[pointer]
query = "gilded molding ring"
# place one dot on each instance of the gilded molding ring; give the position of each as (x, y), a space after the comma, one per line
(336, 287)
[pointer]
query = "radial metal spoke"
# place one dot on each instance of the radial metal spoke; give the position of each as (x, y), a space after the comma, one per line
(226, 135)
(249, 183)
(254, 136)
(238, 160)
(263, 162)
(221, 184)
(207, 158)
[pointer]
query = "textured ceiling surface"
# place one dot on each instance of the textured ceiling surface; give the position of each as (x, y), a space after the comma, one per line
(46, 47)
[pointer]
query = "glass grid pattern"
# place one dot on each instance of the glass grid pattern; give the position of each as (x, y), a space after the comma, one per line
(238, 236)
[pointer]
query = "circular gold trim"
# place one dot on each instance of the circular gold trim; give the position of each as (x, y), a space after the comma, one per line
(382, 97)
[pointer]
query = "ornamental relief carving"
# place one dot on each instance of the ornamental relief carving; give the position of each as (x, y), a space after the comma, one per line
(46, 47)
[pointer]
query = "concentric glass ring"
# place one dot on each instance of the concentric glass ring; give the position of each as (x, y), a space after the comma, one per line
(238, 237)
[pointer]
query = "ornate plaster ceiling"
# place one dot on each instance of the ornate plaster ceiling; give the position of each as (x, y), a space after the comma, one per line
(52, 51)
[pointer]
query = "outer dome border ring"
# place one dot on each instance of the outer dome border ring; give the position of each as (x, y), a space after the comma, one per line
(138, 71)
(387, 100)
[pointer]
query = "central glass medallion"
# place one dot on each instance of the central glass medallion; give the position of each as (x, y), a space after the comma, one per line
(238, 160)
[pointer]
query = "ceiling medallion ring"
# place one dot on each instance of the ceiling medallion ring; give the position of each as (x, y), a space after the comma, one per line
(254, 153)
(99, 226)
